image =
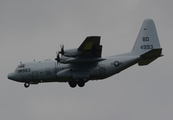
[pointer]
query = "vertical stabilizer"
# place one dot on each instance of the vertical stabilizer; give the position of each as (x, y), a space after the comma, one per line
(147, 38)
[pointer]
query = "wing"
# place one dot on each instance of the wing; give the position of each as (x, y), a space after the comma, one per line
(91, 47)
(88, 52)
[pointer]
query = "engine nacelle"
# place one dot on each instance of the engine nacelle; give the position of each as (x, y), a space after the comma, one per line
(72, 52)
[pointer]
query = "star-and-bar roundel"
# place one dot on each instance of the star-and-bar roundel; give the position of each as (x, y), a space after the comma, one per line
(116, 63)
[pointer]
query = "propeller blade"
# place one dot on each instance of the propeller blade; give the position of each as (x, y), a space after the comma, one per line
(57, 57)
(62, 49)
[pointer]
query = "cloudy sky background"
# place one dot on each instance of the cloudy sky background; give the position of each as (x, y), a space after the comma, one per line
(34, 29)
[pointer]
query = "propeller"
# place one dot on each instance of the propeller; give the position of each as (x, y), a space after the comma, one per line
(62, 49)
(59, 52)
(57, 57)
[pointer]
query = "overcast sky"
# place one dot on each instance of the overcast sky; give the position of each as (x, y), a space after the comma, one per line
(34, 29)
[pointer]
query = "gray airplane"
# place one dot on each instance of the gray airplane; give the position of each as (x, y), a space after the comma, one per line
(78, 66)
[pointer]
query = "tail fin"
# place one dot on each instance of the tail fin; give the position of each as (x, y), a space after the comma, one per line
(147, 43)
(147, 38)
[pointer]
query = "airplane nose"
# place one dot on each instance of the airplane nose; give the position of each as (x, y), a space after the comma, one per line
(14, 76)
(11, 76)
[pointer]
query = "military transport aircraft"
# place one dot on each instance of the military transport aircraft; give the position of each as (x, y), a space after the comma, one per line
(78, 66)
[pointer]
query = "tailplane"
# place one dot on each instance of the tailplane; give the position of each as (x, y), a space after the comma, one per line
(147, 43)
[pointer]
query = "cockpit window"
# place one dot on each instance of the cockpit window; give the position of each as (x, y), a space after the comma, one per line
(21, 66)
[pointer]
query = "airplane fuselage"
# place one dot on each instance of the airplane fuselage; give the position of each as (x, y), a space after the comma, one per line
(51, 71)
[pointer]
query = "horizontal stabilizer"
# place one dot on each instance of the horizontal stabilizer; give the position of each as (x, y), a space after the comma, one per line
(152, 53)
(150, 56)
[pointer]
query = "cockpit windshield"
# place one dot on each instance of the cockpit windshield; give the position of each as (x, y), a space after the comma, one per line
(21, 66)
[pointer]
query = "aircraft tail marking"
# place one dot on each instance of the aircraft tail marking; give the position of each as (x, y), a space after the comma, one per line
(147, 43)
(147, 38)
